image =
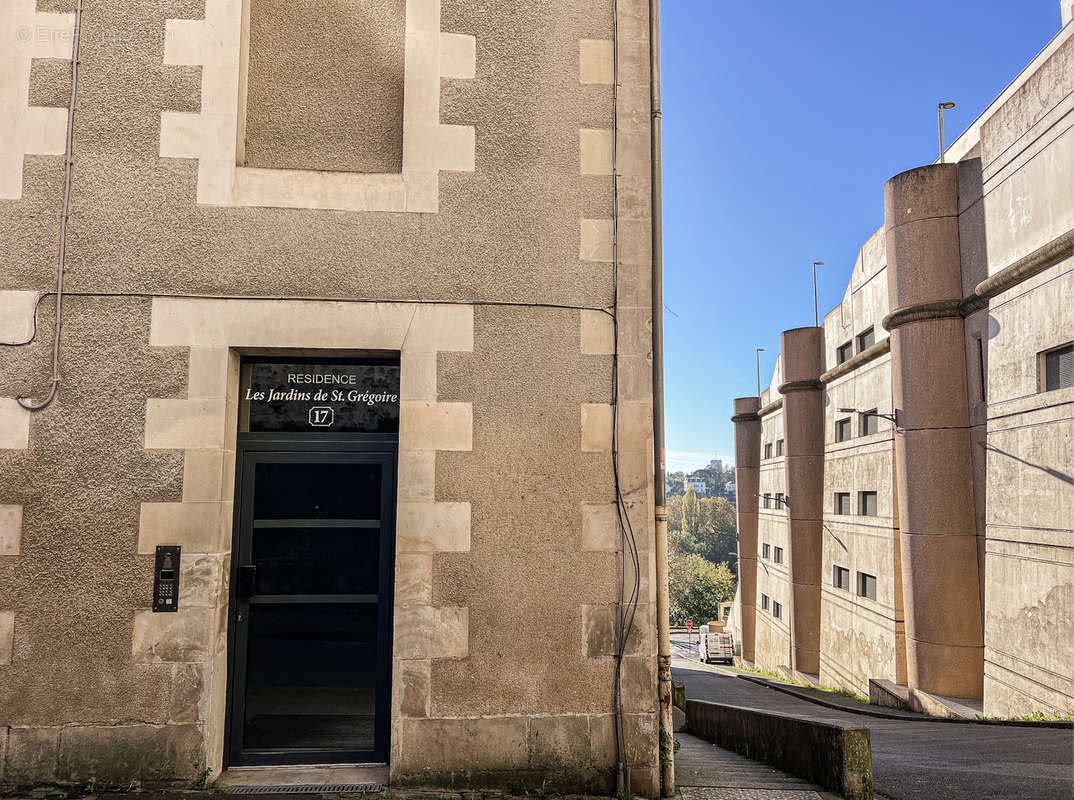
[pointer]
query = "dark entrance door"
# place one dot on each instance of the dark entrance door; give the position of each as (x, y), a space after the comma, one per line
(312, 573)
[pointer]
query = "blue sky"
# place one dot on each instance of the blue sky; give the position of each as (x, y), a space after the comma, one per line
(782, 120)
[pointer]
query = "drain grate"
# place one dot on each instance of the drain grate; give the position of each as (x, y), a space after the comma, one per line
(310, 788)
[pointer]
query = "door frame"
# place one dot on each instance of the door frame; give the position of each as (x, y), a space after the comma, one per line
(313, 447)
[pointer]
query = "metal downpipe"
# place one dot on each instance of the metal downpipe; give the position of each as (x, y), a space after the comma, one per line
(666, 748)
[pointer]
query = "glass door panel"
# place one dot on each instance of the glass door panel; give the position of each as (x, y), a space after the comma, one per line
(313, 608)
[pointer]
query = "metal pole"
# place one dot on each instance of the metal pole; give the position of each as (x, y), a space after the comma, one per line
(666, 743)
(816, 315)
(939, 115)
(758, 354)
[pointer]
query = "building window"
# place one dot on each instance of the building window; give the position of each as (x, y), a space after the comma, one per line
(866, 339)
(982, 374)
(766, 501)
(867, 504)
(779, 447)
(844, 352)
(842, 429)
(842, 502)
(1057, 368)
(777, 555)
(841, 578)
(780, 498)
(867, 586)
(764, 602)
(766, 550)
(768, 450)
(777, 610)
(870, 422)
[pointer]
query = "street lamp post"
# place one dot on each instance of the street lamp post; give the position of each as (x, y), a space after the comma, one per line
(816, 314)
(758, 354)
(940, 107)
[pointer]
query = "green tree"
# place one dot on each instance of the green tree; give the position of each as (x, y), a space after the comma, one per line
(718, 537)
(697, 588)
(674, 507)
(691, 513)
(675, 483)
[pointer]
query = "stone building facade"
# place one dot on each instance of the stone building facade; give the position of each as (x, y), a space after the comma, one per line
(906, 481)
(327, 189)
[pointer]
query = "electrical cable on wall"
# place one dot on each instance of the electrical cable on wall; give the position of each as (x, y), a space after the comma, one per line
(61, 257)
(626, 606)
(266, 298)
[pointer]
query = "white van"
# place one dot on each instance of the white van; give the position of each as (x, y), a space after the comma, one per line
(717, 645)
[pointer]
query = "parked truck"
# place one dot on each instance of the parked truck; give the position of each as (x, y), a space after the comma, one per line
(715, 644)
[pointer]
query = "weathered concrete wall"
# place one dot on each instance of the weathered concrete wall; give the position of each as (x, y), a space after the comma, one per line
(934, 476)
(507, 489)
(1028, 158)
(773, 634)
(1013, 495)
(803, 413)
(747, 485)
(861, 638)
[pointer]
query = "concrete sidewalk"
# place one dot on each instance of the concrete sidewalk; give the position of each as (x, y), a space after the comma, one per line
(704, 771)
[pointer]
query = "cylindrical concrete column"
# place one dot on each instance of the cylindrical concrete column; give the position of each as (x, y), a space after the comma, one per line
(803, 424)
(933, 464)
(747, 486)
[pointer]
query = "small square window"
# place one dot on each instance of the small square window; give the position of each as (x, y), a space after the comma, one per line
(841, 578)
(1057, 367)
(777, 610)
(842, 502)
(867, 504)
(867, 586)
(844, 352)
(870, 422)
(866, 339)
(766, 550)
(779, 447)
(842, 429)
(768, 450)
(777, 555)
(764, 602)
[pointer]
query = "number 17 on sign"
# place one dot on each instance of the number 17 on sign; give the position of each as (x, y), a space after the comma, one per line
(321, 416)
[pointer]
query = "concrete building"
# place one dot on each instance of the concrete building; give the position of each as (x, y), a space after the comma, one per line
(905, 489)
(698, 485)
(350, 312)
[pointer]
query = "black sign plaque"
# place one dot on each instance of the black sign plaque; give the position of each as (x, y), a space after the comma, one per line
(317, 396)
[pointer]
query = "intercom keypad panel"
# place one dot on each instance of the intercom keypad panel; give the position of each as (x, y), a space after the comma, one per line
(166, 578)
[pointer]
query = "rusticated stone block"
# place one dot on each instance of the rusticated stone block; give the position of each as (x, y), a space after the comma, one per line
(188, 693)
(425, 632)
(414, 678)
(598, 630)
(554, 741)
(32, 755)
(185, 635)
(121, 753)
(495, 743)
(10, 530)
(7, 636)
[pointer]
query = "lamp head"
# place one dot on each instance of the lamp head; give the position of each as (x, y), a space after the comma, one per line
(947, 105)
(847, 410)
(818, 263)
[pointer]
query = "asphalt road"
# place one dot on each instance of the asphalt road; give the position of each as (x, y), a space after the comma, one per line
(922, 760)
